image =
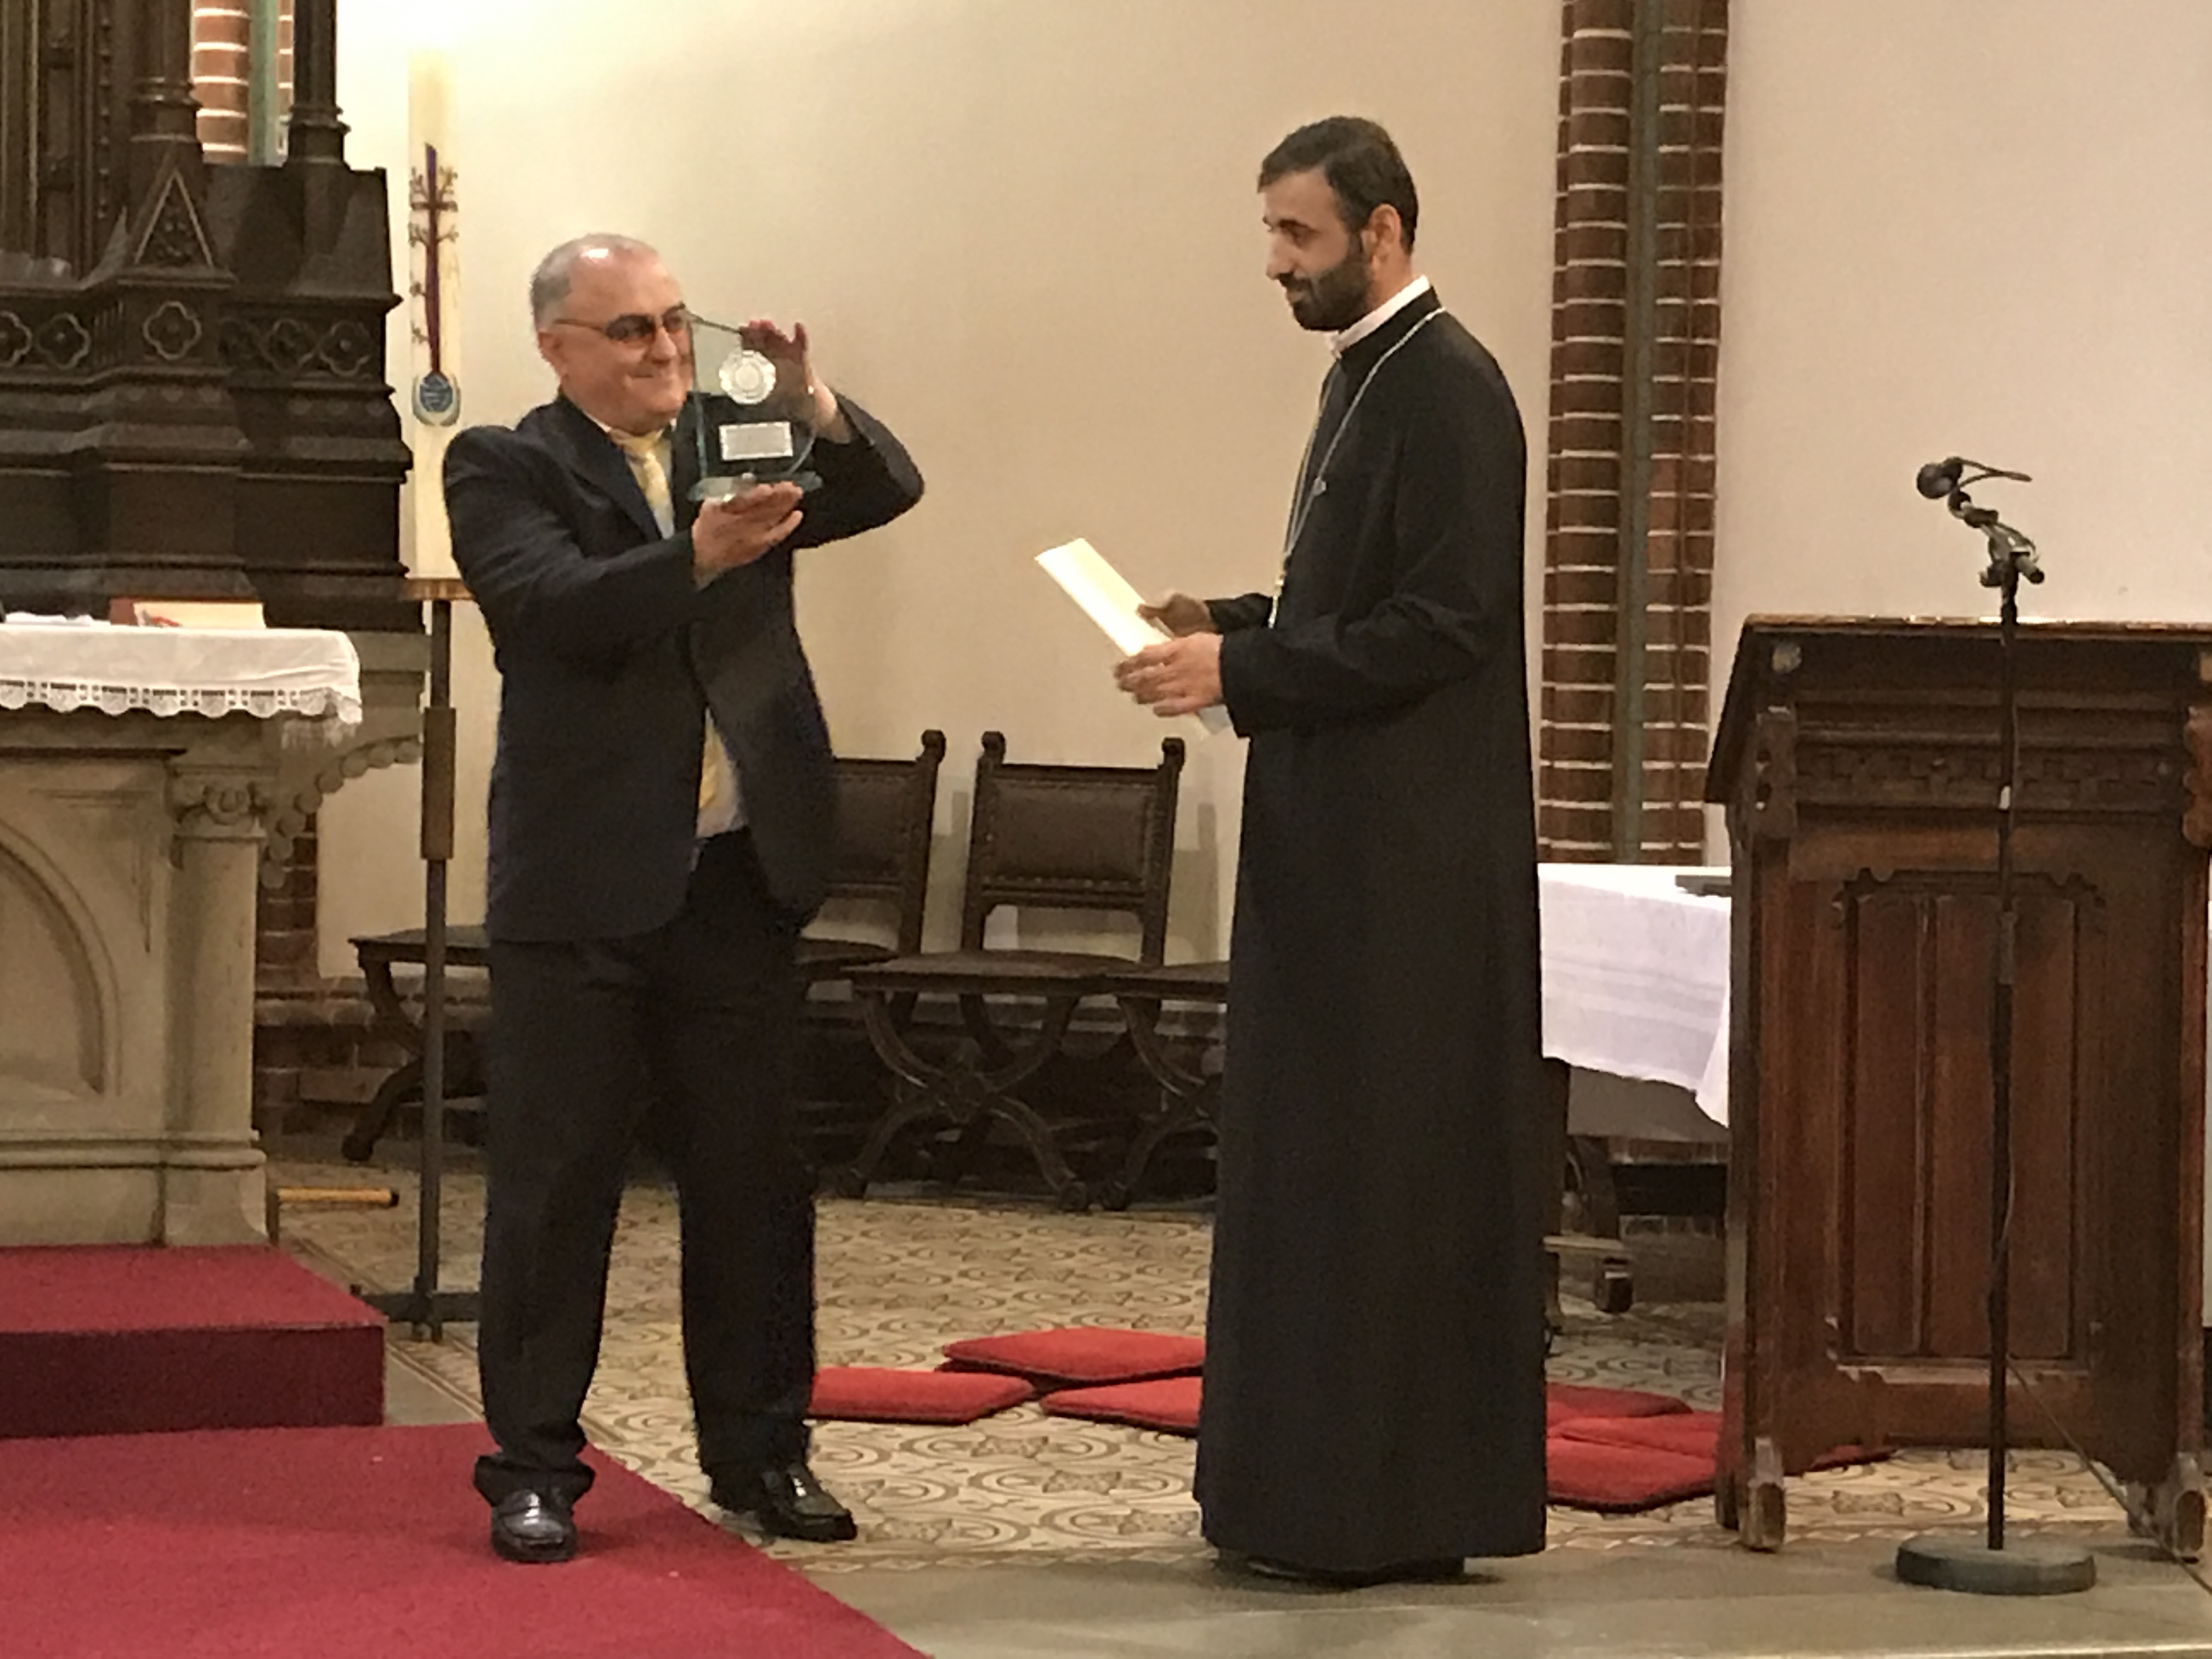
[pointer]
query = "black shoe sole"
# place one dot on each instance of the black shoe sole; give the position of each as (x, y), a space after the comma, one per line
(533, 1555)
(810, 1532)
(1289, 1572)
(829, 1529)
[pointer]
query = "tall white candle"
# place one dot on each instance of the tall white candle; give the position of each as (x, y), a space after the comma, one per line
(433, 393)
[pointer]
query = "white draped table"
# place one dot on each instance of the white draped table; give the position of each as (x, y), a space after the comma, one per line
(1636, 975)
(138, 769)
(65, 665)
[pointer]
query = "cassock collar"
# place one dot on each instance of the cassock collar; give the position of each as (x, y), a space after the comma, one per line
(1344, 339)
(1362, 355)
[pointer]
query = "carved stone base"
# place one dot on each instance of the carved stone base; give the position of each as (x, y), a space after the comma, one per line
(129, 851)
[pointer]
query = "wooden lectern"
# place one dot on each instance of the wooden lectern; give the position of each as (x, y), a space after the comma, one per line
(1858, 761)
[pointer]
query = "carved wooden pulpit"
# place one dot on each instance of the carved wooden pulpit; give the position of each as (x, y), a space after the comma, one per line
(1858, 761)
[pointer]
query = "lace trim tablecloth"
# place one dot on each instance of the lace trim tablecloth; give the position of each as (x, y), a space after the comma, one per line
(66, 665)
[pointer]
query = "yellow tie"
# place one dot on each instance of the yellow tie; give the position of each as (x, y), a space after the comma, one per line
(643, 452)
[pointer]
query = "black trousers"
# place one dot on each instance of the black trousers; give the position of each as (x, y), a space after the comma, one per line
(687, 1035)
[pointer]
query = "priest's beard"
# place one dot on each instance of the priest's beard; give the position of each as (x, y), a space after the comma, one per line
(1336, 298)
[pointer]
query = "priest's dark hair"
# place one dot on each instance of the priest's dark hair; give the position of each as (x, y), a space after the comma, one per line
(1359, 161)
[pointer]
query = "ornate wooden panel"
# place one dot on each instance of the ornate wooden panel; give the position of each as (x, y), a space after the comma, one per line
(192, 359)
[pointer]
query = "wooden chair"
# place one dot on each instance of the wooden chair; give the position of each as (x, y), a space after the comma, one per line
(886, 811)
(1047, 837)
(466, 1024)
(1190, 1097)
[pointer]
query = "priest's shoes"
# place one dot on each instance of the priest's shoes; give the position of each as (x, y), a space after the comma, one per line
(787, 1501)
(532, 1527)
(1395, 1572)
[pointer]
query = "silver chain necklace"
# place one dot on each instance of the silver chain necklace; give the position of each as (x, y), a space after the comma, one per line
(1303, 507)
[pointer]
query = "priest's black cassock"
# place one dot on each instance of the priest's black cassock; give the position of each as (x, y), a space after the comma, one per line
(1374, 1368)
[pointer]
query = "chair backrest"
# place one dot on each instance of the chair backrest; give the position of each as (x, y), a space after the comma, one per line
(1075, 838)
(886, 811)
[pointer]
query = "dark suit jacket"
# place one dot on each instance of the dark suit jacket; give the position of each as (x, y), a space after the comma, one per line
(609, 654)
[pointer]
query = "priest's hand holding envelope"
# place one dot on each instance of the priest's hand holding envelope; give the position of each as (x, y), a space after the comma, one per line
(1179, 614)
(1176, 676)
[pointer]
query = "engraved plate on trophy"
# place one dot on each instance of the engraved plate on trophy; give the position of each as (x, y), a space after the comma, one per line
(751, 417)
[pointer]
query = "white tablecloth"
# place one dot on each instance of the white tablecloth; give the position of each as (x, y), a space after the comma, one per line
(1636, 976)
(52, 663)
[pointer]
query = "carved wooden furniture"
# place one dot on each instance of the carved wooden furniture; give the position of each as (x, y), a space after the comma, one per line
(1057, 837)
(1857, 761)
(1189, 1097)
(379, 954)
(886, 813)
(191, 356)
(886, 810)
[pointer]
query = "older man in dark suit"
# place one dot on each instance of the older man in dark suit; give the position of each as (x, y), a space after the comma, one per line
(660, 816)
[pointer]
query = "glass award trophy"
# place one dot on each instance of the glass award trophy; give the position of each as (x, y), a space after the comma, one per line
(751, 423)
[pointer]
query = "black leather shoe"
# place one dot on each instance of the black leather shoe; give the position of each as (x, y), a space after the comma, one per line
(532, 1527)
(786, 1500)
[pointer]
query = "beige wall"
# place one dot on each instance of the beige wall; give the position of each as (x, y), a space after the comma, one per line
(1973, 227)
(1024, 231)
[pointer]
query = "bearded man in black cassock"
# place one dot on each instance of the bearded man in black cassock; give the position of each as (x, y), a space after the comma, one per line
(1374, 1400)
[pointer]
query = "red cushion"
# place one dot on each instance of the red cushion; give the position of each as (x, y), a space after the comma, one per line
(1564, 1402)
(1079, 1354)
(875, 1394)
(1686, 1434)
(1640, 1463)
(1167, 1403)
(1590, 1474)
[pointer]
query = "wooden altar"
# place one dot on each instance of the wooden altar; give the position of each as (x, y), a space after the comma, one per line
(1858, 762)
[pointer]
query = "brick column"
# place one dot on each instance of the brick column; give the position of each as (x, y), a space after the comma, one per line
(1629, 468)
(222, 34)
(287, 985)
(222, 31)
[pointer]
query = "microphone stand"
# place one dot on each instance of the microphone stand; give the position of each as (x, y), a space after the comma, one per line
(1942, 1562)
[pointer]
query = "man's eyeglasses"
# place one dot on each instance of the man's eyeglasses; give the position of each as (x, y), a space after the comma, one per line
(634, 328)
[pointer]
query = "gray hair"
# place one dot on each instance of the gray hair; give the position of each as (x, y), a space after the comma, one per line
(556, 271)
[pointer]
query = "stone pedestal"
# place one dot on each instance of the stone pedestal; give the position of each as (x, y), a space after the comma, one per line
(129, 850)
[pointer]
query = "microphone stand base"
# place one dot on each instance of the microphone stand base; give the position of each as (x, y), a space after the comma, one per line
(2036, 1568)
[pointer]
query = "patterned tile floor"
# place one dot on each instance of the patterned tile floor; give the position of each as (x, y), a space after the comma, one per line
(900, 1277)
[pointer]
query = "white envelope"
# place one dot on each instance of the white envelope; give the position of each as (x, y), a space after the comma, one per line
(1109, 600)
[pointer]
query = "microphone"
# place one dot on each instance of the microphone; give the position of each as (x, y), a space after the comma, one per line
(1939, 478)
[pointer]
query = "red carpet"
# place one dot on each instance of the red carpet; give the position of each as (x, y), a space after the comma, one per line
(369, 1543)
(132, 1339)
